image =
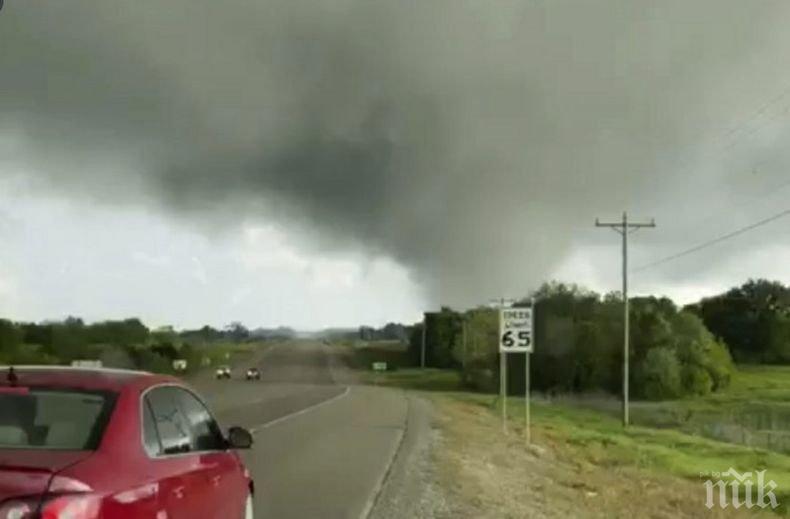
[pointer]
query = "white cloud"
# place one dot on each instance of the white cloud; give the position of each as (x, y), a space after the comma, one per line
(61, 258)
(267, 247)
(9, 292)
(155, 260)
(199, 271)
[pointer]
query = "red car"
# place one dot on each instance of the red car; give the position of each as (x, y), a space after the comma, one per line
(99, 443)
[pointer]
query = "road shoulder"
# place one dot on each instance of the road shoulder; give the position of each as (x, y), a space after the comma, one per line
(410, 488)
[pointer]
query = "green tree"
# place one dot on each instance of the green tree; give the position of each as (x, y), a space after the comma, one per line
(415, 344)
(707, 364)
(443, 335)
(752, 319)
(777, 348)
(11, 337)
(40, 334)
(70, 340)
(659, 374)
(236, 331)
(481, 363)
(128, 332)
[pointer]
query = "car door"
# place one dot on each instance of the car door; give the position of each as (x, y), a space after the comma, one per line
(179, 470)
(224, 487)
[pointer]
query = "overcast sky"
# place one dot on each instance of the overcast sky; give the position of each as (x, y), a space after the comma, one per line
(345, 161)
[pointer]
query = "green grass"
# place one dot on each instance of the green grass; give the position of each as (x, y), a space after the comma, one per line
(595, 438)
(764, 383)
(415, 378)
(361, 355)
(668, 438)
(224, 352)
(400, 371)
(754, 410)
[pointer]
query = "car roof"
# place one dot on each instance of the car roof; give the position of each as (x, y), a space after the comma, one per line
(100, 379)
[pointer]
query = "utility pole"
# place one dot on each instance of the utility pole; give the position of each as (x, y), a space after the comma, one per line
(424, 331)
(625, 228)
(463, 342)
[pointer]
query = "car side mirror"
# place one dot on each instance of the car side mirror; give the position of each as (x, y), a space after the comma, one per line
(239, 438)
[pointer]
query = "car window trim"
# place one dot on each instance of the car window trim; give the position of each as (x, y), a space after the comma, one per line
(163, 456)
(147, 407)
(210, 416)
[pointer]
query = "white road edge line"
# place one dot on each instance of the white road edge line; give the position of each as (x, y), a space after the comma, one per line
(379, 488)
(313, 407)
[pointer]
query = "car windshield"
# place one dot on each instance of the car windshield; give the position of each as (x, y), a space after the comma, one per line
(49, 418)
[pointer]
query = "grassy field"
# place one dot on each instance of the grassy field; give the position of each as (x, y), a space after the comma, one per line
(582, 463)
(674, 443)
(361, 355)
(222, 352)
(754, 410)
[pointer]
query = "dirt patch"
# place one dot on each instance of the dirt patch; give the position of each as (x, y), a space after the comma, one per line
(486, 475)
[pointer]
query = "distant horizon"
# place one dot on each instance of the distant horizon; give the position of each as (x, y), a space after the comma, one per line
(351, 327)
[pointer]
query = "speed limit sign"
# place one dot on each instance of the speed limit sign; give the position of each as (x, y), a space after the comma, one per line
(515, 330)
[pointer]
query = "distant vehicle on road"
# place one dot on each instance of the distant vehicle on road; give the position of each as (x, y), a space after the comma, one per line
(253, 374)
(223, 372)
(98, 443)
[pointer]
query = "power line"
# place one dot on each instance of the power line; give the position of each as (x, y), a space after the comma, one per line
(728, 139)
(748, 201)
(714, 241)
(758, 113)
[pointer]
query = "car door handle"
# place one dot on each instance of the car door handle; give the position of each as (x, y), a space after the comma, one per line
(178, 492)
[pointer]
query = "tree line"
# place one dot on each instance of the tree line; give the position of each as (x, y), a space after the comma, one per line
(126, 343)
(675, 351)
(753, 319)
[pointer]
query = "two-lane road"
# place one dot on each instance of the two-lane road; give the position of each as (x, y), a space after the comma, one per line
(322, 449)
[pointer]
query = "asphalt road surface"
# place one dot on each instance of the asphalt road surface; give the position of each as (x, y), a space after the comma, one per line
(323, 446)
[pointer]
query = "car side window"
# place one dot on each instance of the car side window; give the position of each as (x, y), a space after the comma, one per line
(151, 442)
(205, 434)
(170, 420)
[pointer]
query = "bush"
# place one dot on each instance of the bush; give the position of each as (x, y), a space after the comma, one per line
(479, 359)
(707, 365)
(720, 368)
(28, 354)
(695, 380)
(480, 376)
(116, 357)
(660, 375)
(147, 360)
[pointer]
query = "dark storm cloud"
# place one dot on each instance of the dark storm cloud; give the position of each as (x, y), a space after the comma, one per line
(474, 142)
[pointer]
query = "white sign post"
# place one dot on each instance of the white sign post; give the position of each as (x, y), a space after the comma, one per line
(516, 335)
